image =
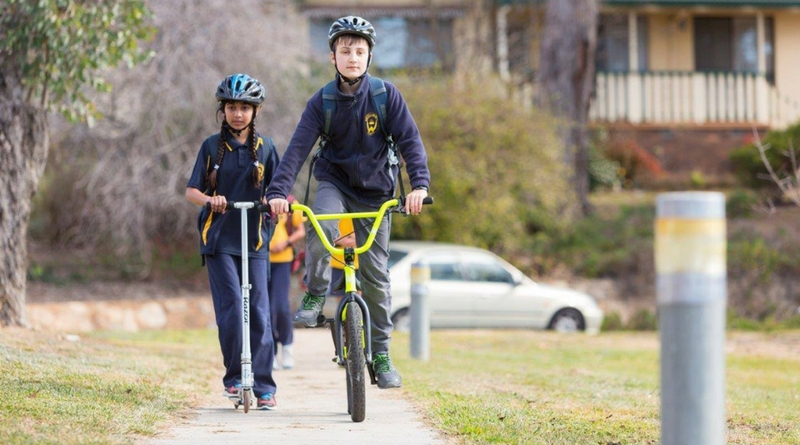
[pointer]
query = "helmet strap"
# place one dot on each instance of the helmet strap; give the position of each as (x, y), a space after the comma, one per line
(357, 79)
(351, 82)
(233, 131)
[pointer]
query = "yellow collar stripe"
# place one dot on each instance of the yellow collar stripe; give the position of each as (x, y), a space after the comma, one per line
(259, 143)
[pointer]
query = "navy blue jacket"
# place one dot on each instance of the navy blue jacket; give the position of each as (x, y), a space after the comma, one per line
(355, 158)
(221, 232)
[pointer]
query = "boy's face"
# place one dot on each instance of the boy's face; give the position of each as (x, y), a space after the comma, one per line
(351, 56)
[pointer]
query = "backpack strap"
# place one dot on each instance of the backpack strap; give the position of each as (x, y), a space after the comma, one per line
(328, 106)
(267, 146)
(377, 90)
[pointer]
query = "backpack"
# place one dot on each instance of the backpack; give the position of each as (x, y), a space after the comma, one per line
(377, 91)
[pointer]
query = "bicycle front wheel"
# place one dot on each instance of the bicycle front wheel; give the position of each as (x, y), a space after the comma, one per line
(355, 362)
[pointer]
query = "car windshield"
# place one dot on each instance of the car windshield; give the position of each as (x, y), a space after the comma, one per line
(395, 256)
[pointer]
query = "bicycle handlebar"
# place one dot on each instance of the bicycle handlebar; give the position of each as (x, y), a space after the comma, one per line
(392, 205)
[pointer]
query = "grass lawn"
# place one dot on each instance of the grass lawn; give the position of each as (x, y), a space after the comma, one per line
(478, 387)
(531, 387)
(105, 389)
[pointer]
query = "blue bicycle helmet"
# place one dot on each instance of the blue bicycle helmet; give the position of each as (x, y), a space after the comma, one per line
(241, 88)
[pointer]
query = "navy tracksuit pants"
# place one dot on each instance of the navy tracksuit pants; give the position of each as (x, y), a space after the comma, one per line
(224, 276)
(279, 285)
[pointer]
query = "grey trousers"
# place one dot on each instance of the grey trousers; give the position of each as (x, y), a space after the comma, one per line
(373, 264)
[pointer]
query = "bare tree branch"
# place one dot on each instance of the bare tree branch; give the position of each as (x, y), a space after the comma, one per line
(788, 184)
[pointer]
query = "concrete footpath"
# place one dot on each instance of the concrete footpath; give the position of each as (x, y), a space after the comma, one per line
(312, 409)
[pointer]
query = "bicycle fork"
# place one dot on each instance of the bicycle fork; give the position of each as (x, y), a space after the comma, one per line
(351, 295)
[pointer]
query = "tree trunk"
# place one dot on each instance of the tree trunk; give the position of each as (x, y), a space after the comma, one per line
(23, 154)
(566, 80)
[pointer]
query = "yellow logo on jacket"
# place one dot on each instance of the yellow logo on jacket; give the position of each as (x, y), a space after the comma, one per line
(372, 123)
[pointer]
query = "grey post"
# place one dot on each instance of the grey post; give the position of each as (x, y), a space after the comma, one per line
(690, 243)
(419, 337)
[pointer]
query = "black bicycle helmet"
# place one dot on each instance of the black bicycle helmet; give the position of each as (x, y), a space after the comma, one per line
(241, 88)
(352, 25)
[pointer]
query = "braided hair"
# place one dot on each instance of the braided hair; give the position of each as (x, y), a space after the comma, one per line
(225, 134)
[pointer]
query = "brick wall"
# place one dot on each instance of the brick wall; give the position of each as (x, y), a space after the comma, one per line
(683, 150)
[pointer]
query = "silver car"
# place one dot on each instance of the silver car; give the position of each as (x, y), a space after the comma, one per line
(474, 288)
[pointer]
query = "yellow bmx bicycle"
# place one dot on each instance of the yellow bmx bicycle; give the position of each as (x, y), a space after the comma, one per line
(350, 326)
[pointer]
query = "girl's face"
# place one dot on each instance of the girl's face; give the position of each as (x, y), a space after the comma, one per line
(238, 114)
(351, 57)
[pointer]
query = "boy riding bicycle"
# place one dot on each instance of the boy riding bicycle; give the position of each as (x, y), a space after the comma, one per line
(354, 174)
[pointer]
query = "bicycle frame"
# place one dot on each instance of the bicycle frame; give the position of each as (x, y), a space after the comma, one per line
(349, 253)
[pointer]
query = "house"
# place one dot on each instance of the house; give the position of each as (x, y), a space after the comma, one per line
(686, 80)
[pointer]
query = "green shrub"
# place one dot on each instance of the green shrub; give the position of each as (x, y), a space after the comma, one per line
(740, 203)
(599, 245)
(739, 323)
(643, 320)
(612, 322)
(747, 252)
(698, 180)
(748, 166)
(496, 168)
(603, 172)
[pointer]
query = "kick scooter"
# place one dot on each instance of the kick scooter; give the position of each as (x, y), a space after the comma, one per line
(244, 397)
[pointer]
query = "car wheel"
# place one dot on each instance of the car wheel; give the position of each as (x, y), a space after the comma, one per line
(567, 320)
(402, 320)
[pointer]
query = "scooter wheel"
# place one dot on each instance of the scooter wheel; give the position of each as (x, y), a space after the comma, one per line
(246, 403)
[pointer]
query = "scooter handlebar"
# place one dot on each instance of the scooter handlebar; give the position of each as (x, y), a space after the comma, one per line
(261, 208)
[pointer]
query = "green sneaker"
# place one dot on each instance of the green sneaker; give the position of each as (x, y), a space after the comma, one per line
(384, 371)
(309, 310)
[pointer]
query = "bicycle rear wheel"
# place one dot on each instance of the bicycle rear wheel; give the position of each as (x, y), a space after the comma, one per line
(355, 362)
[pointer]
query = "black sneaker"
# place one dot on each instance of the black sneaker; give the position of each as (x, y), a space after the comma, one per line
(384, 371)
(309, 310)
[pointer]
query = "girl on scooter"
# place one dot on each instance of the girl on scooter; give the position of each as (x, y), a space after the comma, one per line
(237, 164)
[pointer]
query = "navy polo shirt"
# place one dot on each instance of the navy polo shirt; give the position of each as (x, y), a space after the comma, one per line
(222, 232)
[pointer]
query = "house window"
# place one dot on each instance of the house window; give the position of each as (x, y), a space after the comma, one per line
(402, 42)
(731, 44)
(613, 52)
